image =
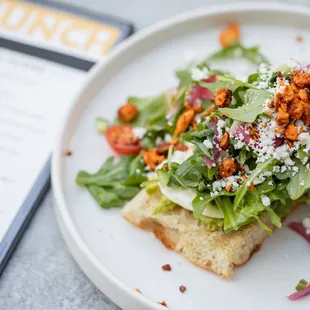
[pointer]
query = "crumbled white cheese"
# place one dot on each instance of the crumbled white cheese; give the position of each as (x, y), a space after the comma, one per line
(262, 177)
(201, 198)
(139, 132)
(199, 74)
(167, 138)
(208, 144)
(220, 125)
(265, 201)
(305, 160)
(283, 169)
(179, 156)
(158, 141)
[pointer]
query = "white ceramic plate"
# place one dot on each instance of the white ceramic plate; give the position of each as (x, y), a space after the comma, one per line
(118, 257)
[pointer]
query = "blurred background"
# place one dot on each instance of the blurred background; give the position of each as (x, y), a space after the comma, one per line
(41, 274)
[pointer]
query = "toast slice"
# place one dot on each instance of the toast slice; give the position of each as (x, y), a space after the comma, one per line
(179, 230)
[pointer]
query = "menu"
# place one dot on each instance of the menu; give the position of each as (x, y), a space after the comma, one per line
(45, 54)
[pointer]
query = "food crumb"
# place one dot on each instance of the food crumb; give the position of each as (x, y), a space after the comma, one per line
(166, 267)
(182, 288)
(163, 303)
(299, 38)
(68, 153)
(137, 290)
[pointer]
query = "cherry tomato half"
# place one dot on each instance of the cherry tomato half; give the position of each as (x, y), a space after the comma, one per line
(122, 140)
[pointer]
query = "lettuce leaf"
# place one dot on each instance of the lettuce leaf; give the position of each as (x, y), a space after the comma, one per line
(115, 182)
(260, 168)
(299, 183)
(254, 100)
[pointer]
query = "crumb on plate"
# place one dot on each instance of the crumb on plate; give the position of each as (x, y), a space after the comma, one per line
(166, 267)
(299, 38)
(163, 303)
(138, 290)
(182, 288)
(68, 153)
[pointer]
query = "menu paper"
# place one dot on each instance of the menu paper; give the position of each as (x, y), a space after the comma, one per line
(45, 54)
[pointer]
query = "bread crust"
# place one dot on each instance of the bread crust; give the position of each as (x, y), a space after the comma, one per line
(178, 230)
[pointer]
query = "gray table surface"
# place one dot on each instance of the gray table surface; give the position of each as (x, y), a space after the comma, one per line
(42, 275)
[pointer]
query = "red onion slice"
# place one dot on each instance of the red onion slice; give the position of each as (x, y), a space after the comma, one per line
(277, 142)
(201, 93)
(302, 293)
(300, 229)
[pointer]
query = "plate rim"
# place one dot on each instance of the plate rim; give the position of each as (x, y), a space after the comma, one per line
(75, 244)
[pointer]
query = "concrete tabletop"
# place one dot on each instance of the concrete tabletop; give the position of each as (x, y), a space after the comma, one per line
(42, 275)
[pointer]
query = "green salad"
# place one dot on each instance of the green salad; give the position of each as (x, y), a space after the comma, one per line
(230, 150)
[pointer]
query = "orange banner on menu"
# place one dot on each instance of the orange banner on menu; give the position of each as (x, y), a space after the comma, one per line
(60, 30)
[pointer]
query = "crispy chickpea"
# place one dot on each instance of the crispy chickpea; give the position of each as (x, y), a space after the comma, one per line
(288, 94)
(224, 144)
(223, 97)
(128, 112)
(278, 100)
(184, 121)
(282, 118)
(227, 168)
(304, 95)
(230, 35)
(306, 113)
(295, 109)
(301, 79)
(151, 158)
(291, 132)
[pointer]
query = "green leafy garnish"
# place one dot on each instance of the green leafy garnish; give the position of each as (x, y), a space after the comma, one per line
(253, 106)
(302, 284)
(261, 167)
(252, 54)
(299, 183)
(101, 125)
(115, 182)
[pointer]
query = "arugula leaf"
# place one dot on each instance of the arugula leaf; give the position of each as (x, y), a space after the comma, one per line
(151, 110)
(252, 54)
(184, 77)
(101, 125)
(202, 199)
(253, 78)
(214, 87)
(136, 172)
(260, 168)
(187, 174)
(253, 210)
(242, 156)
(299, 183)
(267, 186)
(275, 220)
(105, 198)
(114, 183)
(109, 173)
(254, 105)
(203, 148)
(233, 220)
